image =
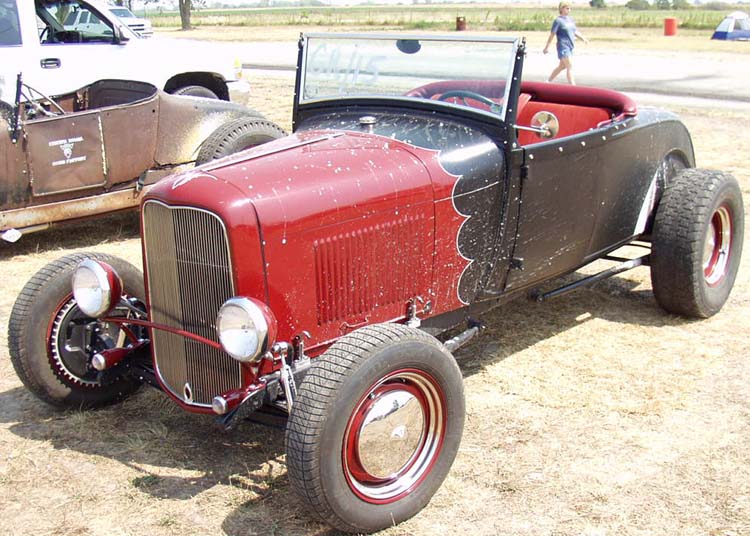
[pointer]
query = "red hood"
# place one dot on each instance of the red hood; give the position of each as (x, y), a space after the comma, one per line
(318, 178)
(308, 190)
(309, 179)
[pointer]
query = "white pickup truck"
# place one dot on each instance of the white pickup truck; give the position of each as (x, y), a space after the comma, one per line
(139, 25)
(55, 57)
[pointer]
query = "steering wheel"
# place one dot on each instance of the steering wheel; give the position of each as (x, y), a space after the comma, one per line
(463, 95)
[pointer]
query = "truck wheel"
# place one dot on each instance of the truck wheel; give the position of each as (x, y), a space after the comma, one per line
(375, 427)
(195, 91)
(236, 136)
(697, 242)
(51, 342)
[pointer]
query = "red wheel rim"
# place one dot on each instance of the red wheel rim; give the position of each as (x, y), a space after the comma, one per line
(394, 436)
(717, 247)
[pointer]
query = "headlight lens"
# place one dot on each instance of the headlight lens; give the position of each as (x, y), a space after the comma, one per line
(243, 326)
(96, 287)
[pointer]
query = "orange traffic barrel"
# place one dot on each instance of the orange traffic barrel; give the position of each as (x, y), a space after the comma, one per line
(460, 24)
(670, 26)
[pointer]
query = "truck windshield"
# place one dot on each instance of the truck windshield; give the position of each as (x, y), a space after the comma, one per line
(469, 72)
(122, 12)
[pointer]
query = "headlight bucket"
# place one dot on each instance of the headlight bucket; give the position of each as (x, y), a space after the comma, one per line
(96, 288)
(245, 327)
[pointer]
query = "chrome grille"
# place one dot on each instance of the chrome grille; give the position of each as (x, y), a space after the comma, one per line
(189, 278)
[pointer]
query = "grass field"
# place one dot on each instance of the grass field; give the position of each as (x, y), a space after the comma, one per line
(596, 414)
(443, 18)
(615, 41)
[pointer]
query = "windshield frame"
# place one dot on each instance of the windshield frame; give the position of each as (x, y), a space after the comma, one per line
(514, 43)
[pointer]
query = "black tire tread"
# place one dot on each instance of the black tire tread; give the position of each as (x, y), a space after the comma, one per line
(317, 393)
(18, 324)
(221, 142)
(677, 248)
(188, 90)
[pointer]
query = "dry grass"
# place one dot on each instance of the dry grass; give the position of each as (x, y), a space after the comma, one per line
(615, 40)
(594, 414)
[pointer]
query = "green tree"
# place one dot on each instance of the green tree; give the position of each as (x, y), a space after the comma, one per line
(663, 4)
(638, 5)
(599, 4)
(681, 4)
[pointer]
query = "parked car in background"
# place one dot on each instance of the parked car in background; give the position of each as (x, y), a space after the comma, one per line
(139, 25)
(85, 21)
(331, 274)
(99, 149)
(62, 45)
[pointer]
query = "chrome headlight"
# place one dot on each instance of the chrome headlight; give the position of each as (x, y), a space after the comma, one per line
(244, 326)
(96, 288)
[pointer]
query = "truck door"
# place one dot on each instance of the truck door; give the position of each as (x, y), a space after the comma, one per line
(72, 37)
(10, 49)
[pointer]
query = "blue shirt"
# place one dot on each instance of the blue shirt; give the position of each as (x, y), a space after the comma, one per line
(565, 30)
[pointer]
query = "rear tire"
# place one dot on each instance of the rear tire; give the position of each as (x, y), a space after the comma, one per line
(51, 342)
(195, 91)
(697, 242)
(236, 136)
(375, 427)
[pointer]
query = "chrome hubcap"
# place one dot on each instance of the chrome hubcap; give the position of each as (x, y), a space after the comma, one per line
(717, 246)
(390, 433)
(394, 436)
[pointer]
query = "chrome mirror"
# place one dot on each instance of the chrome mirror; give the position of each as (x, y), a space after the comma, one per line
(546, 123)
(543, 124)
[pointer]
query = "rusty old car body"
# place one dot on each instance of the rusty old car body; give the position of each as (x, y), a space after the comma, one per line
(425, 182)
(97, 149)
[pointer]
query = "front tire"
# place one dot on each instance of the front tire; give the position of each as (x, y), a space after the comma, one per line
(375, 427)
(51, 342)
(236, 136)
(697, 243)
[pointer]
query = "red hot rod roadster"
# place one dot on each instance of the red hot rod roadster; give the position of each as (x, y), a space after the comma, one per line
(332, 272)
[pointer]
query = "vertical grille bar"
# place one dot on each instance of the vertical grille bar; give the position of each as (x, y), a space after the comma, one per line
(190, 277)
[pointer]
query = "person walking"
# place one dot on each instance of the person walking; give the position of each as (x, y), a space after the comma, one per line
(564, 28)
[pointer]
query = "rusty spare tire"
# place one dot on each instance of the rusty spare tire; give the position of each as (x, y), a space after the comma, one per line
(196, 91)
(236, 136)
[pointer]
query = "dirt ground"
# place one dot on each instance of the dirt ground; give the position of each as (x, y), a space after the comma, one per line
(594, 414)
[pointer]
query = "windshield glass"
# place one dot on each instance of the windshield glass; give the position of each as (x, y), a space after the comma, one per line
(469, 72)
(122, 12)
